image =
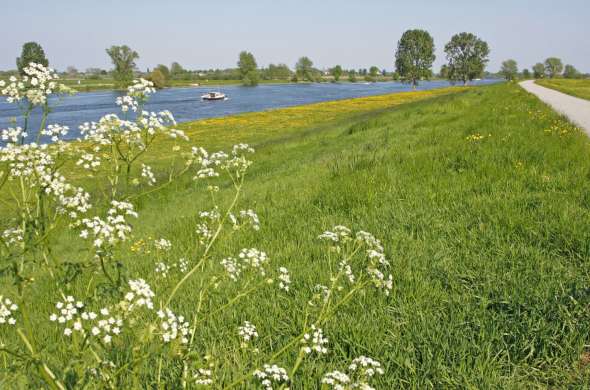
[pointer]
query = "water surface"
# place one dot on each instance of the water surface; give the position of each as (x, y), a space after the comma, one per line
(186, 104)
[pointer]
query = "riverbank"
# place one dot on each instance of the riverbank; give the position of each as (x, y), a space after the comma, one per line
(480, 198)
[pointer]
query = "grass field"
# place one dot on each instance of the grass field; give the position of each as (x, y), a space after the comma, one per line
(480, 197)
(578, 88)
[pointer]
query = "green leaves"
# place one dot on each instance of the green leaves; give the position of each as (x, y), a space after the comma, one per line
(414, 56)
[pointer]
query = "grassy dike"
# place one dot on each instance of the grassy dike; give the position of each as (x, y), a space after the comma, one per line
(577, 88)
(481, 199)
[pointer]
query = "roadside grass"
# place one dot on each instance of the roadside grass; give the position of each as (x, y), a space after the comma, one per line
(482, 211)
(577, 88)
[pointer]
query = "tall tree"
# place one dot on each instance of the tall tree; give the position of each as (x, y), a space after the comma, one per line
(373, 73)
(538, 70)
(571, 72)
(553, 67)
(176, 71)
(444, 72)
(164, 70)
(336, 72)
(526, 74)
(31, 52)
(414, 56)
(467, 55)
(304, 69)
(123, 58)
(248, 69)
(509, 69)
(352, 76)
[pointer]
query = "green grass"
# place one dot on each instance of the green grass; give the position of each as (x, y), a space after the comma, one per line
(488, 241)
(578, 88)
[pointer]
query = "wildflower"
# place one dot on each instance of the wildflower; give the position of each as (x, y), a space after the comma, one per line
(173, 327)
(147, 174)
(359, 375)
(284, 279)
(162, 269)
(247, 332)
(254, 258)
(163, 244)
(7, 310)
(111, 231)
(202, 377)
(232, 267)
(314, 341)
(12, 236)
(338, 380)
(89, 161)
(270, 375)
(140, 295)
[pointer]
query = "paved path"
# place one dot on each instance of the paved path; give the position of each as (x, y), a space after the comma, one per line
(576, 109)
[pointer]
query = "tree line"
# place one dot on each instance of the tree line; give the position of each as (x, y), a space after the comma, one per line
(467, 56)
(552, 68)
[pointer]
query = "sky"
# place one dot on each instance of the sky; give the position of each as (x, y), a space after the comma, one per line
(355, 34)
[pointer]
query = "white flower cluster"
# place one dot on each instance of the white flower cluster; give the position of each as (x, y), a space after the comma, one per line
(314, 341)
(112, 230)
(71, 315)
(12, 236)
(110, 129)
(245, 218)
(173, 327)
(340, 236)
(270, 375)
(148, 174)
(37, 166)
(7, 310)
(55, 132)
(251, 258)
(89, 161)
(247, 332)
(163, 270)
(163, 244)
(37, 83)
(284, 279)
(12, 135)
(203, 377)
(360, 372)
(209, 165)
(140, 295)
(205, 229)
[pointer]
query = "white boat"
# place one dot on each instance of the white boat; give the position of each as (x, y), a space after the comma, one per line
(214, 96)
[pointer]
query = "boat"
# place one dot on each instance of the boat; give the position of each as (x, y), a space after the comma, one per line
(214, 96)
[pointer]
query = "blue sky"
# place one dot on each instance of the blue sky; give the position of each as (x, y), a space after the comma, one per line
(360, 33)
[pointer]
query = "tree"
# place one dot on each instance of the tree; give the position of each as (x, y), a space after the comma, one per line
(164, 70)
(304, 69)
(444, 72)
(553, 67)
(277, 72)
(31, 52)
(571, 72)
(176, 70)
(124, 60)
(467, 55)
(526, 74)
(373, 73)
(509, 69)
(414, 56)
(158, 78)
(248, 69)
(336, 72)
(538, 70)
(352, 76)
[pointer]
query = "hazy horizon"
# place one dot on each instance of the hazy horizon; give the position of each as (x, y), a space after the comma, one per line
(203, 35)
